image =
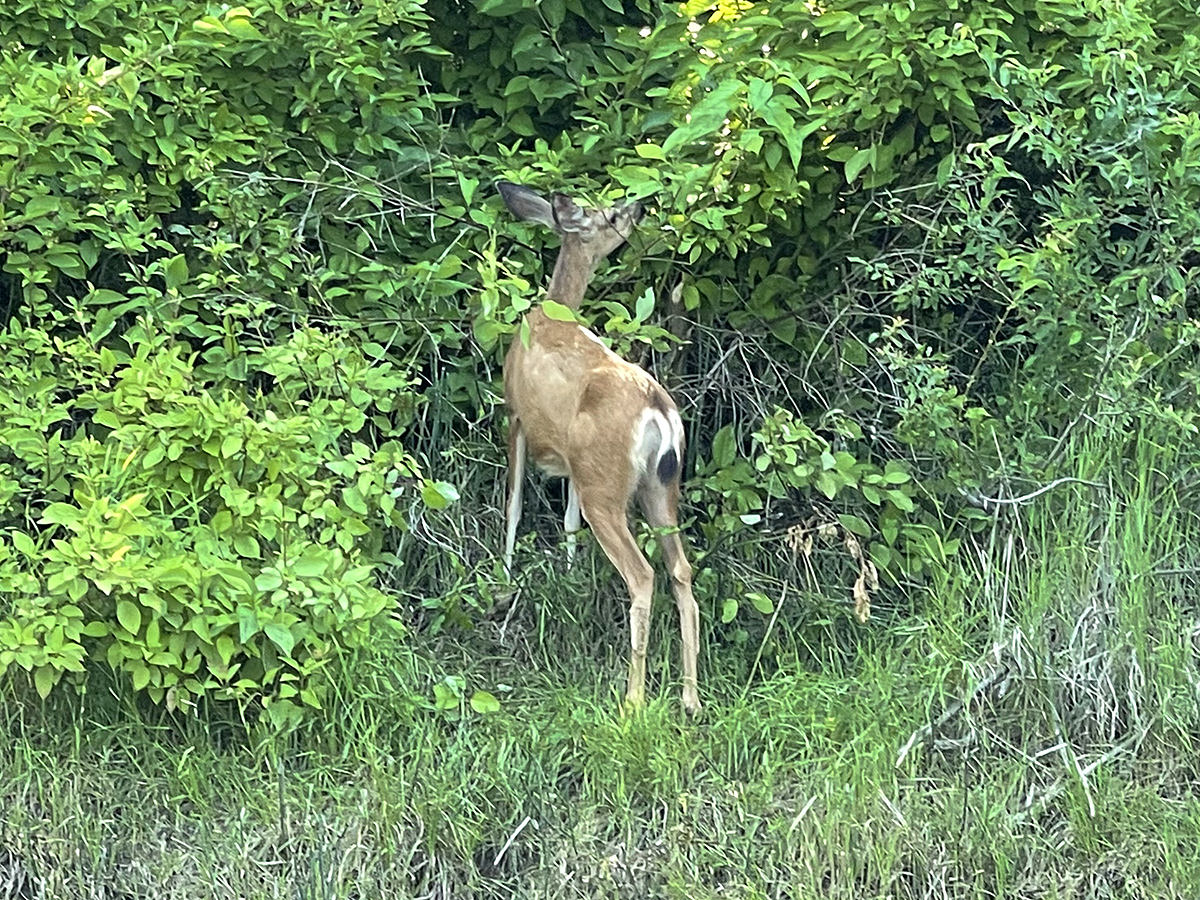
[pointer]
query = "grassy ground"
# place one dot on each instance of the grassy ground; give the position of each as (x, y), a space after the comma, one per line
(1029, 733)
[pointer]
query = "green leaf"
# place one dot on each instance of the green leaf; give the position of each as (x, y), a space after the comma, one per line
(783, 123)
(248, 547)
(42, 205)
(944, 169)
(107, 417)
(645, 305)
(846, 464)
(889, 527)
(439, 494)
(225, 648)
(901, 500)
(500, 8)
(247, 623)
(311, 563)
(129, 84)
(761, 602)
(237, 21)
(44, 678)
(723, 447)
(129, 616)
(24, 543)
(175, 272)
(784, 329)
(559, 313)
(859, 161)
(209, 25)
(650, 151)
(772, 154)
(467, 186)
(795, 138)
(854, 351)
(268, 580)
(281, 636)
(61, 514)
(141, 674)
(354, 501)
(230, 445)
(855, 525)
(707, 117)
(758, 92)
(104, 297)
(444, 696)
(483, 702)
(728, 610)
(102, 325)
(828, 484)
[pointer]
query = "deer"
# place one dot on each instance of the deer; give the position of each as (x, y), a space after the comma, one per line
(583, 413)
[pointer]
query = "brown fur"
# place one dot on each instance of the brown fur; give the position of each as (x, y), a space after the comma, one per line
(577, 407)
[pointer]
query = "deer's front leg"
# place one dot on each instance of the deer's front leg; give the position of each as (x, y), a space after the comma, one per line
(571, 519)
(612, 532)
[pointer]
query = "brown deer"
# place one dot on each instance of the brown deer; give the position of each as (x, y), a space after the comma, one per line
(585, 414)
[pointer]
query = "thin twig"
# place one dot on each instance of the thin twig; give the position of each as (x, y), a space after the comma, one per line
(980, 500)
(766, 637)
(512, 837)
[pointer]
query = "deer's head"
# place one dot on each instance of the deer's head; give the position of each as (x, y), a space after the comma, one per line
(597, 232)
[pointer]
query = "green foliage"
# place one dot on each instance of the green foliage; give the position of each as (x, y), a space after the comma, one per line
(865, 507)
(922, 277)
(195, 544)
(252, 272)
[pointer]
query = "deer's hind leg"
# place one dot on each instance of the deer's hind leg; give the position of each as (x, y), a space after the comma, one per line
(659, 503)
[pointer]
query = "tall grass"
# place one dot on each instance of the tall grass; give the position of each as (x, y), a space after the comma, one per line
(1029, 733)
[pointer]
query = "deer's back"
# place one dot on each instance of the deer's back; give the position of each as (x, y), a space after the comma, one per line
(562, 370)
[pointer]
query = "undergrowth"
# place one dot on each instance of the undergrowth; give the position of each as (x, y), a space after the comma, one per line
(1031, 734)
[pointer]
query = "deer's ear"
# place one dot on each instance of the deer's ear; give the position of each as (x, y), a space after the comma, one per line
(527, 205)
(568, 215)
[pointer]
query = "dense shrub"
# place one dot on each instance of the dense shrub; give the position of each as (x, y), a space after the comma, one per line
(252, 287)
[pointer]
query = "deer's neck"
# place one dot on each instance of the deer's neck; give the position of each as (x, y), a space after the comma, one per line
(572, 272)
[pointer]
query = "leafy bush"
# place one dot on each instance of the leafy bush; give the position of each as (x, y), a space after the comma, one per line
(196, 544)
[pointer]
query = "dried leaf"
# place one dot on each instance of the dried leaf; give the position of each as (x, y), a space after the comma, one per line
(853, 547)
(862, 600)
(795, 539)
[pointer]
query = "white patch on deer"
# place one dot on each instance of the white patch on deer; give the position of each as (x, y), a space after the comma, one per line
(653, 437)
